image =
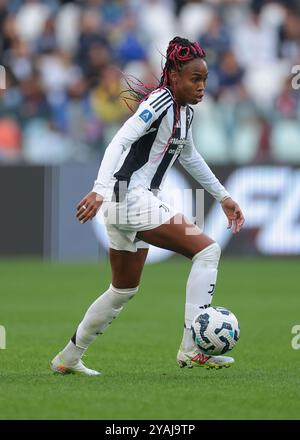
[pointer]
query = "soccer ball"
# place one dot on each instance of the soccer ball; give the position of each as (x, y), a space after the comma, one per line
(215, 330)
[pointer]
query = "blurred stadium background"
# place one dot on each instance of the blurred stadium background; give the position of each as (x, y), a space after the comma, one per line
(65, 64)
(60, 106)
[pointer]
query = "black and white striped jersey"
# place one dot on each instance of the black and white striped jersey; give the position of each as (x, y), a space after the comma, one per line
(141, 153)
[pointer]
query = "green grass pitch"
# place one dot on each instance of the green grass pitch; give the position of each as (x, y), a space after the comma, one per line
(41, 303)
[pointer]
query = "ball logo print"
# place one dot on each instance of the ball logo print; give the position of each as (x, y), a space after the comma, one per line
(296, 339)
(2, 337)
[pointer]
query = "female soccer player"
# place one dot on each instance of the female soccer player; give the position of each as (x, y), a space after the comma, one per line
(132, 171)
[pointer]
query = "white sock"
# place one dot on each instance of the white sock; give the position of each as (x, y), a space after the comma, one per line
(71, 354)
(200, 288)
(97, 318)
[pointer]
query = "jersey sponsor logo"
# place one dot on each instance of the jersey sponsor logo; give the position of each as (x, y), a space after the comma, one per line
(179, 148)
(179, 142)
(146, 115)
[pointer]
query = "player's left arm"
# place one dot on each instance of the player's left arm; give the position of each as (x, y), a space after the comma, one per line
(196, 166)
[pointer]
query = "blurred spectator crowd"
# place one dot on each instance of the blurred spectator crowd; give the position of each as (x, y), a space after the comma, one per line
(65, 64)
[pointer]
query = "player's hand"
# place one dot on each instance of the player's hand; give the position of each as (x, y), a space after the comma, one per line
(234, 214)
(88, 207)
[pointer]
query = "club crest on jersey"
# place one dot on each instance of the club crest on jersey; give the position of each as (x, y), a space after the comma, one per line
(146, 115)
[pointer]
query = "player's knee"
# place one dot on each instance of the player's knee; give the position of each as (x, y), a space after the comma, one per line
(210, 253)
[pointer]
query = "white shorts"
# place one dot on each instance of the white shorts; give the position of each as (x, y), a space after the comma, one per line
(141, 210)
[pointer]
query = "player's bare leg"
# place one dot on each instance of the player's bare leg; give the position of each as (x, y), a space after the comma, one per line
(178, 235)
(127, 268)
(185, 238)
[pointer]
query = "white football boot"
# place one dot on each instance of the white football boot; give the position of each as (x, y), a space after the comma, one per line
(198, 359)
(58, 365)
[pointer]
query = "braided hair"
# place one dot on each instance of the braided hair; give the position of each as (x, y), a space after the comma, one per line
(179, 52)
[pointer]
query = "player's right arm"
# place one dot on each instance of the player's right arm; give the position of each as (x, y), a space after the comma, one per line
(135, 127)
